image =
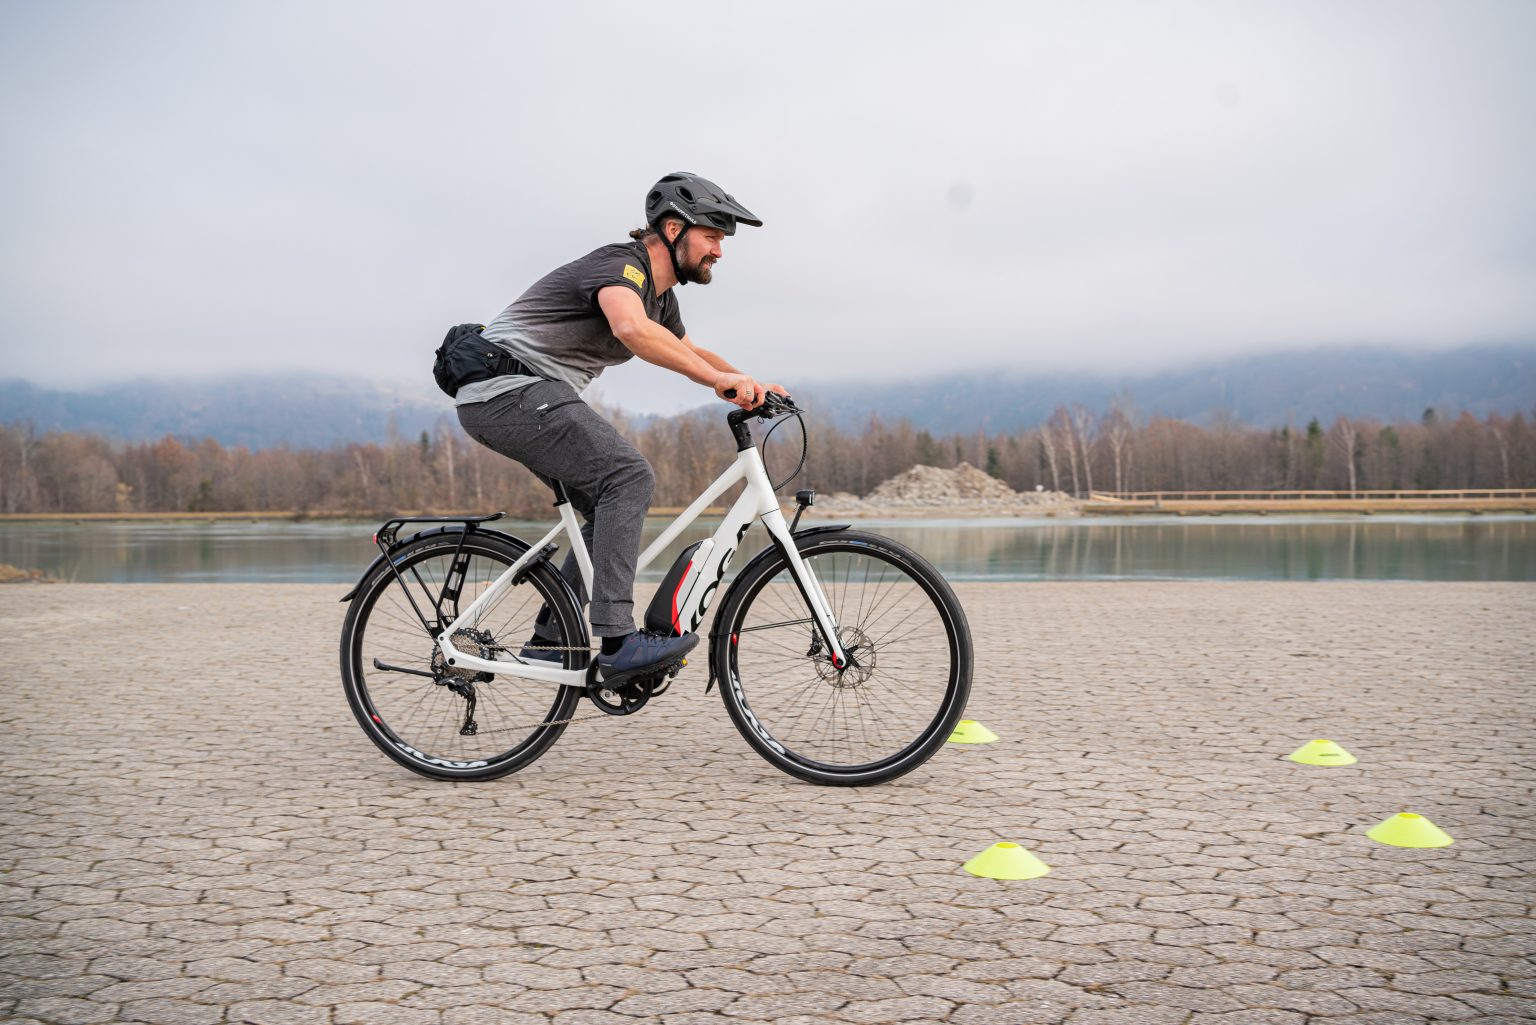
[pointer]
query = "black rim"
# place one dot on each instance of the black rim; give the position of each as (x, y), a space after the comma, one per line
(391, 701)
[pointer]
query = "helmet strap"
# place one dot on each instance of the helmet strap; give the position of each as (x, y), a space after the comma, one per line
(677, 267)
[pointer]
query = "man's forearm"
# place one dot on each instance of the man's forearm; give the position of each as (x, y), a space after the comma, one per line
(720, 363)
(655, 344)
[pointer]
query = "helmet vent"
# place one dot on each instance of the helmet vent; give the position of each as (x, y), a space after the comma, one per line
(685, 193)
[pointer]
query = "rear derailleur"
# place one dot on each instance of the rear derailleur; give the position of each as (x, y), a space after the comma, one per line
(462, 681)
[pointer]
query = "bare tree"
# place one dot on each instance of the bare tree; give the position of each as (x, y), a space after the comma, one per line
(67, 472)
(1117, 427)
(18, 483)
(1497, 430)
(1082, 424)
(446, 444)
(1060, 424)
(1345, 437)
(474, 461)
(1048, 446)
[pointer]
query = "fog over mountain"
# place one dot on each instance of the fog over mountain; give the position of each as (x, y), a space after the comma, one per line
(322, 188)
(1265, 390)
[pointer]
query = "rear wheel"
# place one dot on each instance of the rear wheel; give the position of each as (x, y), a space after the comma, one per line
(447, 723)
(909, 672)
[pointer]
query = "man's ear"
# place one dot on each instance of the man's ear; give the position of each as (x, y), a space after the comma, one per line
(673, 227)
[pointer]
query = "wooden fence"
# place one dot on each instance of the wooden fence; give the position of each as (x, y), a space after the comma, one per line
(1473, 494)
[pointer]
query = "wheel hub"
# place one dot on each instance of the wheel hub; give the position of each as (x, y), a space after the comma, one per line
(861, 659)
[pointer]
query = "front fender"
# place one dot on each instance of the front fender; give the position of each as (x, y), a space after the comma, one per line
(767, 553)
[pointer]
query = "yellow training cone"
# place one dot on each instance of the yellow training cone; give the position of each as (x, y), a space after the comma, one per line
(1006, 861)
(969, 731)
(1322, 752)
(1410, 830)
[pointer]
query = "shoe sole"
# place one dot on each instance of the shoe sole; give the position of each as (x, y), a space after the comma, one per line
(621, 678)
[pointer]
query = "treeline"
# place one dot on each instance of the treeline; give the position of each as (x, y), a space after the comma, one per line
(1077, 450)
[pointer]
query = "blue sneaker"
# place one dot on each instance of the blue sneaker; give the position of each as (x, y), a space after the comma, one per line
(538, 650)
(644, 652)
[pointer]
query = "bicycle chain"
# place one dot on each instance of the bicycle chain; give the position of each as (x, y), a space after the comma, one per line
(549, 722)
(541, 725)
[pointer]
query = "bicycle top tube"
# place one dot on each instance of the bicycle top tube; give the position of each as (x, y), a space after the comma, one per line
(773, 405)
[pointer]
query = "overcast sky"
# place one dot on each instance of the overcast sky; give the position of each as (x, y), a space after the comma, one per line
(199, 188)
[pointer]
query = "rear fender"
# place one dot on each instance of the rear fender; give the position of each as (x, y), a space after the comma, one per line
(773, 550)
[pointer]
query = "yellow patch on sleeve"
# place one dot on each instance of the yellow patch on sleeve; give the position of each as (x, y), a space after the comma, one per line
(635, 274)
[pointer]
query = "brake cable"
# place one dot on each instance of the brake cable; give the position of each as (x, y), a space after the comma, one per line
(805, 443)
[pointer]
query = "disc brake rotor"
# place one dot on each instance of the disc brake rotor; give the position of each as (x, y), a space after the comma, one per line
(861, 659)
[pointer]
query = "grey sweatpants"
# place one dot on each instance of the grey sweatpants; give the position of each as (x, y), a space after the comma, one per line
(546, 427)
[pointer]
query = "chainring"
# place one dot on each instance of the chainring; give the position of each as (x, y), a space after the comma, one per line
(628, 697)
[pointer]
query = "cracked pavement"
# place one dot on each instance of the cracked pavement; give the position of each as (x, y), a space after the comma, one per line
(193, 828)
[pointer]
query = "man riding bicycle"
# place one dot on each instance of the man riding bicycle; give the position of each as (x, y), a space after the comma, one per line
(595, 312)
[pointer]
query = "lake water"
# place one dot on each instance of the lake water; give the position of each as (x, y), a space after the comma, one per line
(1087, 548)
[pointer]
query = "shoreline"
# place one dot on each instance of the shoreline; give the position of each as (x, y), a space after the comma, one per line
(1213, 508)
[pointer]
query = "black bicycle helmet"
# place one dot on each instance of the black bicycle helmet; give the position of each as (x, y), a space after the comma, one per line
(698, 201)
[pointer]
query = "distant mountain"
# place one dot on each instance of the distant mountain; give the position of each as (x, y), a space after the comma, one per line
(1267, 390)
(257, 412)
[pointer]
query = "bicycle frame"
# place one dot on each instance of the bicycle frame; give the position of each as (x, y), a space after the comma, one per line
(757, 501)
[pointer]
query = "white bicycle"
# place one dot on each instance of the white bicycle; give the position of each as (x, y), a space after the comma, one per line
(843, 657)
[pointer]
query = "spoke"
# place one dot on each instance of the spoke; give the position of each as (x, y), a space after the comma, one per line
(428, 716)
(881, 708)
(775, 626)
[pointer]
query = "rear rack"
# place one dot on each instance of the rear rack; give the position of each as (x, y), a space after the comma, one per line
(384, 537)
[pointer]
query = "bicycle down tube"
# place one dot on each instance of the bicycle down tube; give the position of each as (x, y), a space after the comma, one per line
(757, 501)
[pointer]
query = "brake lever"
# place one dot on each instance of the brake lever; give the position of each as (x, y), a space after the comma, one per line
(772, 405)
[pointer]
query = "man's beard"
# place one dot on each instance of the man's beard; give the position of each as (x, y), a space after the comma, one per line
(699, 272)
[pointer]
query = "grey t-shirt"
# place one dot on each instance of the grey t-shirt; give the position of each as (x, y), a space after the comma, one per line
(557, 328)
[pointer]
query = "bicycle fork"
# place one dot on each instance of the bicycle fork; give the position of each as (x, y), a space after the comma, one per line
(810, 590)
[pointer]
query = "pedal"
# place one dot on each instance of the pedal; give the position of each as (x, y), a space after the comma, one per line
(629, 695)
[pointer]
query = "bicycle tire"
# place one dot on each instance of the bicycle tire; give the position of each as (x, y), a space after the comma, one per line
(419, 722)
(769, 686)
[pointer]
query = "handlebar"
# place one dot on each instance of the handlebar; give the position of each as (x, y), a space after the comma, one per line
(773, 405)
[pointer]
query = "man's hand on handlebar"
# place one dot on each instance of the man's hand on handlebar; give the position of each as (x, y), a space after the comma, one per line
(744, 390)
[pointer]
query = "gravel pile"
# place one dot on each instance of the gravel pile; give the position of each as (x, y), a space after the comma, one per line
(929, 487)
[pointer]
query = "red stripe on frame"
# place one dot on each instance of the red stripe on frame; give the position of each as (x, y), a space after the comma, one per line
(676, 626)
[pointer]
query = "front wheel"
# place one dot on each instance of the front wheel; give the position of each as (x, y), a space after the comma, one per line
(910, 661)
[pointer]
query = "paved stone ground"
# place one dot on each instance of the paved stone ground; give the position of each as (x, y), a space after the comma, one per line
(194, 830)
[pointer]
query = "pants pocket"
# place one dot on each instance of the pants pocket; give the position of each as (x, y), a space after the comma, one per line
(543, 411)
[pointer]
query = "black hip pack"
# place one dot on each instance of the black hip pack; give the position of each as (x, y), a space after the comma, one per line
(466, 357)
